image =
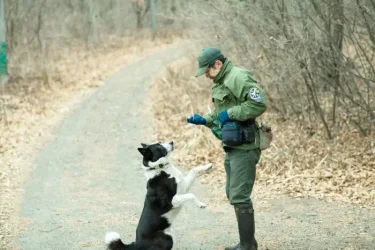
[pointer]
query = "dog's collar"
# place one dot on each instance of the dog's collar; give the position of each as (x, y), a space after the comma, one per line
(160, 166)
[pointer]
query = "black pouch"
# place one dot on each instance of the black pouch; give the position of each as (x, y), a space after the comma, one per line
(232, 134)
(249, 133)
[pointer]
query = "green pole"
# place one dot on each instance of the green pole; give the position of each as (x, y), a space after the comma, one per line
(3, 46)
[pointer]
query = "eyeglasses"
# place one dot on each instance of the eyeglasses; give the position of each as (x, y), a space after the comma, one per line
(209, 66)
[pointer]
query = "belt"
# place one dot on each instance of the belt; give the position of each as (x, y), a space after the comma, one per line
(248, 122)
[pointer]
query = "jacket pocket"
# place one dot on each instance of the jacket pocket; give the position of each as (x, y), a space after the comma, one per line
(221, 96)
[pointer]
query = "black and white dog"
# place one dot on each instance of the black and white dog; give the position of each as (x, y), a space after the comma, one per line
(167, 191)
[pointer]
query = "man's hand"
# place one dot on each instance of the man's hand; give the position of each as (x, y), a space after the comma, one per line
(197, 119)
(223, 117)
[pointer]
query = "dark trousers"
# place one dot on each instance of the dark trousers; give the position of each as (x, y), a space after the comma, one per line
(240, 168)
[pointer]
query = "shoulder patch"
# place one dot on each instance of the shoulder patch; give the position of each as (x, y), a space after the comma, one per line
(254, 94)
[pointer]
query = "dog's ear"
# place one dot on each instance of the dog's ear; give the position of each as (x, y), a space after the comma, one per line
(145, 152)
(144, 145)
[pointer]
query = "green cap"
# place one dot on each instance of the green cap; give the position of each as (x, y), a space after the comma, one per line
(205, 58)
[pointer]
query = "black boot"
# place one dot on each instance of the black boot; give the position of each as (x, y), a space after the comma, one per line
(246, 228)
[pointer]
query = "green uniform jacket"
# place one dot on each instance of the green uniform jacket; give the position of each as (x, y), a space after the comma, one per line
(235, 89)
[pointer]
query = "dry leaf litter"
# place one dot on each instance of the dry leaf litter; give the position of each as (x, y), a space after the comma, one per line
(297, 164)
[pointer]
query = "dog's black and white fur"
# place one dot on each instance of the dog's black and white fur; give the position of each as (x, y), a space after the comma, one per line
(167, 191)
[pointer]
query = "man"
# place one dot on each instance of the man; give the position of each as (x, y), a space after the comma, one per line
(237, 98)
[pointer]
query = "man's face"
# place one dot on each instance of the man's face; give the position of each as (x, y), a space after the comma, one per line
(212, 72)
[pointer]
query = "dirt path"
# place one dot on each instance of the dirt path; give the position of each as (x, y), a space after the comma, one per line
(87, 181)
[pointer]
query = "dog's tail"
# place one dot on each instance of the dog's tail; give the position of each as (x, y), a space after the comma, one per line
(113, 242)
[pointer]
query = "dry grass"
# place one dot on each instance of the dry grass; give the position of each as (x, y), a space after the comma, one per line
(29, 109)
(299, 163)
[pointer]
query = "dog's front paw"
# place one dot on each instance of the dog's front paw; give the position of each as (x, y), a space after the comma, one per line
(201, 205)
(205, 167)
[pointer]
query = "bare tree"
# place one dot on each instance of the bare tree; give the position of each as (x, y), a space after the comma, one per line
(315, 58)
(141, 7)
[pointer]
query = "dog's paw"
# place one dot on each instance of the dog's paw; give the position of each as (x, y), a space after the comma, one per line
(205, 167)
(201, 205)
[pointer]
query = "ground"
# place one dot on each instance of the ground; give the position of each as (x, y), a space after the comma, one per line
(86, 180)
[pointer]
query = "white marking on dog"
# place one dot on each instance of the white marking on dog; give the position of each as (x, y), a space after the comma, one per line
(111, 237)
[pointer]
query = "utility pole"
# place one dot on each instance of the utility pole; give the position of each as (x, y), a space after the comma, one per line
(153, 15)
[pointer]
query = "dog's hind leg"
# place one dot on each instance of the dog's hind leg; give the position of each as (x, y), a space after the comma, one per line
(179, 199)
(160, 241)
(190, 177)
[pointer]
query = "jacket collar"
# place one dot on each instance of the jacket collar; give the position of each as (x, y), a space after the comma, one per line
(227, 67)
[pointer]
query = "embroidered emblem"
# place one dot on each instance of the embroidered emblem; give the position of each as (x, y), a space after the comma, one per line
(254, 94)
